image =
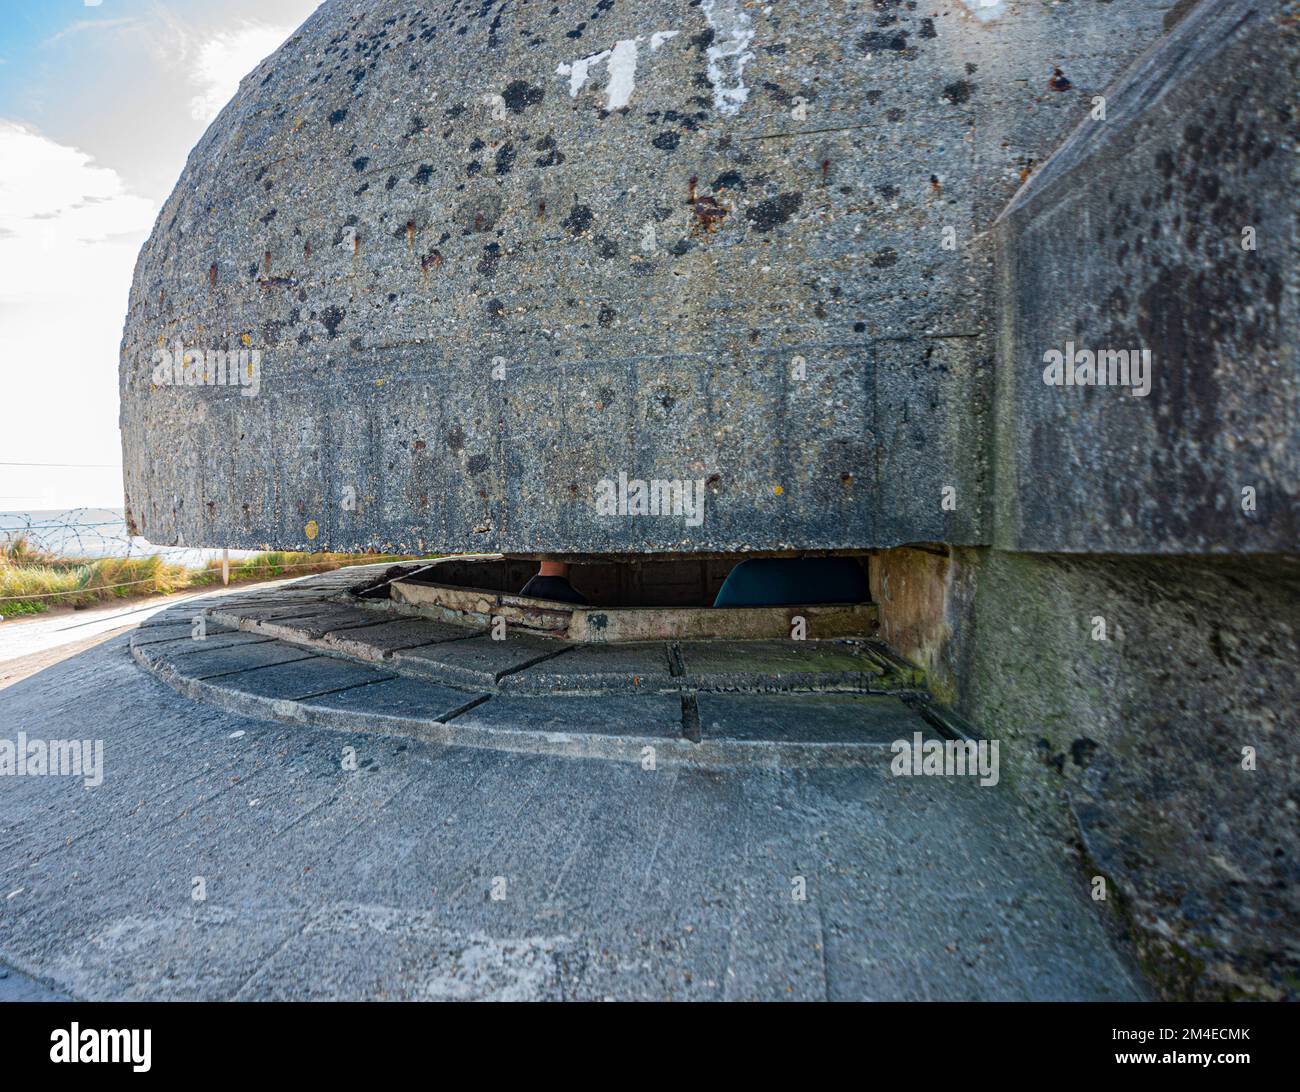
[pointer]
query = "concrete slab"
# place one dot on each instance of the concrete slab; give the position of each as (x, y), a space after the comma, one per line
(809, 718)
(253, 612)
(310, 623)
(188, 646)
(643, 716)
(396, 699)
(208, 644)
(479, 661)
(574, 700)
(597, 667)
(15, 986)
(778, 665)
(294, 679)
(376, 642)
(178, 631)
(208, 663)
(525, 875)
(613, 724)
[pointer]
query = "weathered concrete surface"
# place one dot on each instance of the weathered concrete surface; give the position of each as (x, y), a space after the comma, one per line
(231, 659)
(676, 360)
(617, 882)
(769, 718)
(300, 679)
(600, 668)
(1141, 735)
(15, 986)
(323, 618)
(180, 631)
(1132, 238)
(781, 665)
(381, 641)
(187, 646)
(527, 694)
(477, 661)
(607, 624)
(401, 196)
(915, 596)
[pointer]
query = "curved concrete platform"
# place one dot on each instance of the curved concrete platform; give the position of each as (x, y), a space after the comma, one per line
(312, 653)
(421, 871)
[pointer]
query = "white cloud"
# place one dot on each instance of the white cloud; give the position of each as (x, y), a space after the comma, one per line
(63, 220)
(224, 60)
(71, 226)
(87, 24)
(69, 234)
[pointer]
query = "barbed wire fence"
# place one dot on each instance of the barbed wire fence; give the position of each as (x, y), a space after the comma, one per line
(93, 534)
(79, 556)
(89, 535)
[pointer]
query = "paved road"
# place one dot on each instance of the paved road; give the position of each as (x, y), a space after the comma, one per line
(31, 643)
(321, 882)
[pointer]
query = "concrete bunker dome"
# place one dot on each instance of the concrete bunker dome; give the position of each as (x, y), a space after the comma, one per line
(490, 262)
(486, 260)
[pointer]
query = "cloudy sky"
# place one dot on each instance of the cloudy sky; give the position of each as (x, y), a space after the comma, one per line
(100, 103)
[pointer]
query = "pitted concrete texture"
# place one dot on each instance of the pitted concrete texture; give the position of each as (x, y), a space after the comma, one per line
(493, 257)
(436, 872)
(1169, 227)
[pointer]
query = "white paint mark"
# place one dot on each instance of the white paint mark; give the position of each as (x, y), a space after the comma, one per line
(984, 10)
(619, 62)
(732, 32)
(622, 74)
(577, 71)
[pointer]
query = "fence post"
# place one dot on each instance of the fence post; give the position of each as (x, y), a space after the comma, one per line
(225, 566)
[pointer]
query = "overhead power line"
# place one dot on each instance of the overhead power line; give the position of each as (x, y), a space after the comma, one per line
(71, 466)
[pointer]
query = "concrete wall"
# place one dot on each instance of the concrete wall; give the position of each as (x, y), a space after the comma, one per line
(1134, 744)
(1119, 517)
(1168, 226)
(399, 196)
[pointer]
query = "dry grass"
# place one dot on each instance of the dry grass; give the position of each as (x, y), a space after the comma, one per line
(32, 581)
